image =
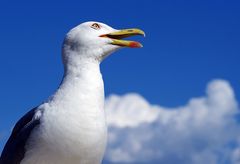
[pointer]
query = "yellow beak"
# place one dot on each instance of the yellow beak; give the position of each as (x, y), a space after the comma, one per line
(118, 35)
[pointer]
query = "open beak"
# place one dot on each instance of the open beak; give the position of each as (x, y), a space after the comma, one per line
(117, 37)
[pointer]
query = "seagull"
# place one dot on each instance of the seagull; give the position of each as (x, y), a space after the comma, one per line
(70, 126)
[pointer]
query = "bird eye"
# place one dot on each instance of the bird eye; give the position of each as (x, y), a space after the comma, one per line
(96, 26)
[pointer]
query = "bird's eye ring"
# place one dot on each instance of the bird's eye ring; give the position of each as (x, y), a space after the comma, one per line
(95, 26)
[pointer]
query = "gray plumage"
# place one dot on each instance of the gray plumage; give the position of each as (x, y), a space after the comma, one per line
(14, 149)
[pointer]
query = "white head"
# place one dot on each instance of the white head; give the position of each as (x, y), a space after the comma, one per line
(95, 41)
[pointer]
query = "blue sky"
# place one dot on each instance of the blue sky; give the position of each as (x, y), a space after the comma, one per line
(187, 45)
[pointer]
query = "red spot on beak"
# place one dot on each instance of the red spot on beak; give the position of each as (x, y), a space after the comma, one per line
(134, 44)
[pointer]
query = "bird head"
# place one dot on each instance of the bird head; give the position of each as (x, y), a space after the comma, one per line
(97, 40)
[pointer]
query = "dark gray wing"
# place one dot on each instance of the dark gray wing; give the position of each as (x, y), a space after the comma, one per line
(14, 149)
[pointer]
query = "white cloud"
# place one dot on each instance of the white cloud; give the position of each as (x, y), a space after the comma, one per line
(205, 130)
(236, 156)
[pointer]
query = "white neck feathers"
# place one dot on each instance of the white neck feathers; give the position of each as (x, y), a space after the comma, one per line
(82, 83)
